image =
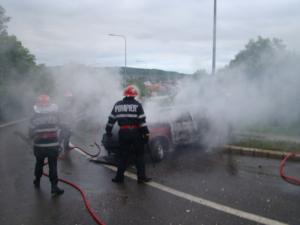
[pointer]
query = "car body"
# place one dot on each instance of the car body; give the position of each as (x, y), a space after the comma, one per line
(165, 136)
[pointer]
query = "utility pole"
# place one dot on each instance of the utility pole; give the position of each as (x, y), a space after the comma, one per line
(124, 37)
(214, 39)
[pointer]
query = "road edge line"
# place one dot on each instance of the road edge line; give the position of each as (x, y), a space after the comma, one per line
(12, 123)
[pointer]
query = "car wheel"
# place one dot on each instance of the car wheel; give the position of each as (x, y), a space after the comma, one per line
(158, 149)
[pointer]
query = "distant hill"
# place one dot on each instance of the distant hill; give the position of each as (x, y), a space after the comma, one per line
(151, 74)
(131, 72)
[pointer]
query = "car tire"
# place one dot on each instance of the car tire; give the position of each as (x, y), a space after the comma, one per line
(158, 149)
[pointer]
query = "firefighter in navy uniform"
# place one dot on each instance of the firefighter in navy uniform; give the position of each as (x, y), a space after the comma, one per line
(133, 134)
(44, 130)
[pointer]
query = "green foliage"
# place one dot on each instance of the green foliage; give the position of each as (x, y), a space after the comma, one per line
(258, 56)
(137, 76)
(270, 145)
(3, 20)
(20, 77)
(154, 75)
(139, 83)
(15, 60)
(199, 74)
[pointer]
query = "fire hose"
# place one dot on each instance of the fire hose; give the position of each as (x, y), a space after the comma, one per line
(86, 202)
(289, 179)
(85, 152)
(83, 195)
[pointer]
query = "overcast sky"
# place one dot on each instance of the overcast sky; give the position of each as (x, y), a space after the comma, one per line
(165, 34)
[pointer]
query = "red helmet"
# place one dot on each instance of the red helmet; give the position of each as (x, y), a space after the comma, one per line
(130, 91)
(43, 100)
(43, 105)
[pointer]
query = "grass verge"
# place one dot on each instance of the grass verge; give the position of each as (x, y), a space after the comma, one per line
(275, 145)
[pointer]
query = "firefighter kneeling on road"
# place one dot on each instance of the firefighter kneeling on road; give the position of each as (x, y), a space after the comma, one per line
(44, 129)
(133, 134)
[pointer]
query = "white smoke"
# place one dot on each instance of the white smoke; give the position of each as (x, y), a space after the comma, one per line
(94, 91)
(228, 101)
(233, 101)
(236, 100)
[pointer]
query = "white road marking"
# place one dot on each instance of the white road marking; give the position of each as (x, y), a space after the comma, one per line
(12, 123)
(202, 201)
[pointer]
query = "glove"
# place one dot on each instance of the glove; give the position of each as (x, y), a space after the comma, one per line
(145, 138)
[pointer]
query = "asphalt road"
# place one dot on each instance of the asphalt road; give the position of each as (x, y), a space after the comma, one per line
(192, 186)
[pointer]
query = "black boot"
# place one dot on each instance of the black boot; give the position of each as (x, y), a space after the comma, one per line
(36, 183)
(56, 190)
(118, 180)
(144, 180)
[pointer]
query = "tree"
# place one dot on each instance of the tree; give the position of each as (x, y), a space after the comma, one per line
(258, 56)
(18, 73)
(199, 74)
(3, 20)
(15, 60)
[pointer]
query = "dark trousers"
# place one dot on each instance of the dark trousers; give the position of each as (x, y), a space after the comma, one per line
(131, 147)
(52, 154)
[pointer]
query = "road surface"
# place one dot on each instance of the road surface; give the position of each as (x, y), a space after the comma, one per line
(191, 186)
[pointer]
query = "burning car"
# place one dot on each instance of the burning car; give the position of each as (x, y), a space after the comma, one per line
(165, 136)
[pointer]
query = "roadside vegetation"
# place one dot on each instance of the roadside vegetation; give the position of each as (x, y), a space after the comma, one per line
(276, 145)
(272, 137)
(20, 76)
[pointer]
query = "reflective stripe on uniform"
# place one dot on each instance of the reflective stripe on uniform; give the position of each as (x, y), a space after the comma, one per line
(47, 145)
(142, 116)
(46, 130)
(127, 115)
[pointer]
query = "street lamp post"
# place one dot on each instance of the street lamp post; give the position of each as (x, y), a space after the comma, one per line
(214, 38)
(124, 37)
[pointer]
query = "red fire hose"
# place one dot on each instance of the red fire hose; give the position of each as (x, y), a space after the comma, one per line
(289, 179)
(86, 202)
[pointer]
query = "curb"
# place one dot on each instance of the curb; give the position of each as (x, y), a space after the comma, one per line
(256, 152)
